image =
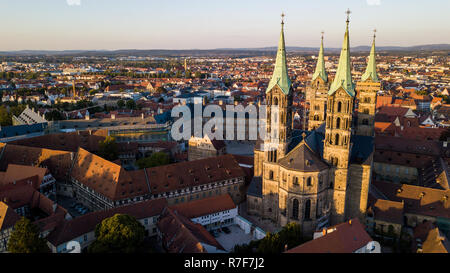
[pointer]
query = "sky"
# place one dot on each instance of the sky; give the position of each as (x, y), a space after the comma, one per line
(211, 24)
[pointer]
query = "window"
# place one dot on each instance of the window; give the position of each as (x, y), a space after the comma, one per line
(309, 181)
(339, 107)
(295, 182)
(308, 209)
(271, 175)
(336, 139)
(295, 206)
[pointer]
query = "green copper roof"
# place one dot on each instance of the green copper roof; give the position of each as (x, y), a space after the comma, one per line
(371, 70)
(280, 75)
(320, 68)
(343, 76)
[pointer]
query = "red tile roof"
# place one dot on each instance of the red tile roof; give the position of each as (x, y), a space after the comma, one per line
(206, 206)
(180, 235)
(347, 238)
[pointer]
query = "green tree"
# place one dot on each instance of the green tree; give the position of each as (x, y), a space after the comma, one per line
(118, 234)
(5, 117)
(161, 90)
(108, 148)
(54, 115)
(25, 238)
(121, 103)
(156, 159)
(131, 104)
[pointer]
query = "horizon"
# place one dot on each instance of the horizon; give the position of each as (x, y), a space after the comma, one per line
(87, 25)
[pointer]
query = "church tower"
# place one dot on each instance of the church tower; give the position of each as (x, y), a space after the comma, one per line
(279, 106)
(316, 92)
(366, 90)
(338, 129)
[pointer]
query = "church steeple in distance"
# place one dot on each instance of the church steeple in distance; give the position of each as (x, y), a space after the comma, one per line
(320, 67)
(280, 75)
(371, 70)
(343, 76)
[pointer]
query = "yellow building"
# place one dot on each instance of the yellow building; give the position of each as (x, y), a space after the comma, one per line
(316, 177)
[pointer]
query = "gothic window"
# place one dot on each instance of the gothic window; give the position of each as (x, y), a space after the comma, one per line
(338, 123)
(295, 182)
(275, 101)
(309, 181)
(308, 210)
(316, 117)
(339, 107)
(295, 207)
(366, 111)
(271, 175)
(367, 100)
(317, 107)
(336, 139)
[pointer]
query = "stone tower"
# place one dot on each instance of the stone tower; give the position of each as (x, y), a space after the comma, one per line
(279, 127)
(279, 106)
(366, 90)
(338, 129)
(316, 92)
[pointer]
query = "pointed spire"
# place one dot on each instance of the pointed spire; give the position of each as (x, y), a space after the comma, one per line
(371, 70)
(343, 76)
(320, 68)
(280, 75)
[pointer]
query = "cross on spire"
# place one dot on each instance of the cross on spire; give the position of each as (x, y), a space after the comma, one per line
(348, 12)
(282, 17)
(323, 32)
(374, 33)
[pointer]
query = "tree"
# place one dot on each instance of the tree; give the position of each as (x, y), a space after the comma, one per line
(156, 159)
(131, 104)
(161, 90)
(25, 238)
(120, 103)
(108, 148)
(54, 115)
(120, 233)
(273, 243)
(5, 117)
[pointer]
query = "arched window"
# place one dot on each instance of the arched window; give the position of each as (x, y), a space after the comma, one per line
(316, 117)
(275, 101)
(339, 107)
(366, 111)
(367, 100)
(308, 209)
(295, 181)
(338, 123)
(295, 207)
(309, 181)
(271, 175)
(336, 139)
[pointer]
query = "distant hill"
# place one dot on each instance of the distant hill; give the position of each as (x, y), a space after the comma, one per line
(218, 52)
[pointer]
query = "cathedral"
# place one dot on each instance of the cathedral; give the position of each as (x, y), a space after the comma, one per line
(321, 176)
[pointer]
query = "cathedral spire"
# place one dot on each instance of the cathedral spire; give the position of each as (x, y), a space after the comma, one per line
(280, 75)
(343, 76)
(371, 70)
(320, 68)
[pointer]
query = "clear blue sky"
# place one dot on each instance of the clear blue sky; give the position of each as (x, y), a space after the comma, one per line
(207, 24)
